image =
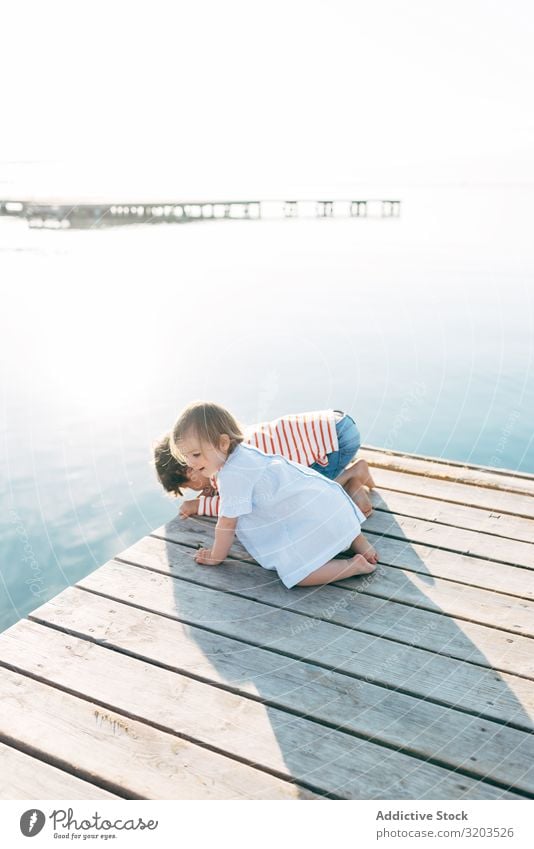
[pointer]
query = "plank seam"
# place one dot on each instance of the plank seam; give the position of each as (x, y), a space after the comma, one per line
(418, 606)
(64, 766)
(380, 535)
(487, 485)
(454, 550)
(94, 700)
(443, 524)
(442, 461)
(395, 640)
(405, 750)
(310, 661)
(407, 568)
(444, 500)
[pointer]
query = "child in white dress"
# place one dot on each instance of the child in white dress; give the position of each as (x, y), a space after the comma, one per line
(290, 518)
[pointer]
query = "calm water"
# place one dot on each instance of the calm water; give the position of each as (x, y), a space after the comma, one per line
(421, 327)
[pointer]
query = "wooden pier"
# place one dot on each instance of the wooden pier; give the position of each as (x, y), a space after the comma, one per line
(60, 215)
(156, 678)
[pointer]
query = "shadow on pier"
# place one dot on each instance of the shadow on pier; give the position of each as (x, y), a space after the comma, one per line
(365, 694)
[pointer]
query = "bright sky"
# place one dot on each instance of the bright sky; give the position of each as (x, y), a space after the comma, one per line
(262, 96)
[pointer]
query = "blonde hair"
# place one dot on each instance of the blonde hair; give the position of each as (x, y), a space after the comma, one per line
(208, 422)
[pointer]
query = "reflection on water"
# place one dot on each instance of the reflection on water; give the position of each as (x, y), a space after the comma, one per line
(420, 326)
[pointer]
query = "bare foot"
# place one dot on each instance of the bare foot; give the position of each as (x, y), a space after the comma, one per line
(363, 501)
(361, 566)
(362, 546)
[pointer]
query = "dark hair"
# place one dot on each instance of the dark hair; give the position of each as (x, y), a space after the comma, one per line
(172, 473)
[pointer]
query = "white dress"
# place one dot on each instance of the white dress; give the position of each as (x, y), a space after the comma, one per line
(290, 518)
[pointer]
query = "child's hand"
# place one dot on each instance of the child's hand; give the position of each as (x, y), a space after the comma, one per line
(203, 556)
(188, 509)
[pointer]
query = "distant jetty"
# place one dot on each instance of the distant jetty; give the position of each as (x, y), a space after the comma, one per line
(54, 214)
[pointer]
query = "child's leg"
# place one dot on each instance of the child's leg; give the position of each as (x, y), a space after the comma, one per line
(353, 480)
(358, 472)
(336, 570)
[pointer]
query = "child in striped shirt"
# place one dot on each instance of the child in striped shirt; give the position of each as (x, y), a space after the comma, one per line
(325, 441)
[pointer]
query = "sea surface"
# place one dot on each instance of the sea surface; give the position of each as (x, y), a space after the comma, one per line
(421, 327)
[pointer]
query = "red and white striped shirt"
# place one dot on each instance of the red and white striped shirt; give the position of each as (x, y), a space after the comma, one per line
(305, 438)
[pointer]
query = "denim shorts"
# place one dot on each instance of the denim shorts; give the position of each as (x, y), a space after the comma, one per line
(348, 437)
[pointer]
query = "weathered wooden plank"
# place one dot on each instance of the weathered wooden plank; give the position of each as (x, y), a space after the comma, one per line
(503, 697)
(101, 744)
(461, 568)
(329, 759)
(495, 500)
(444, 596)
(504, 612)
(395, 551)
(455, 515)
(454, 539)
(463, 639)
(194, 532)
(24, 777)
(452, 738)
(447, 470)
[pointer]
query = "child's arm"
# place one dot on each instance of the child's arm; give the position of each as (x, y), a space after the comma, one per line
(208, 505)
(204, 505)
(224, 537)
(189, 508)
